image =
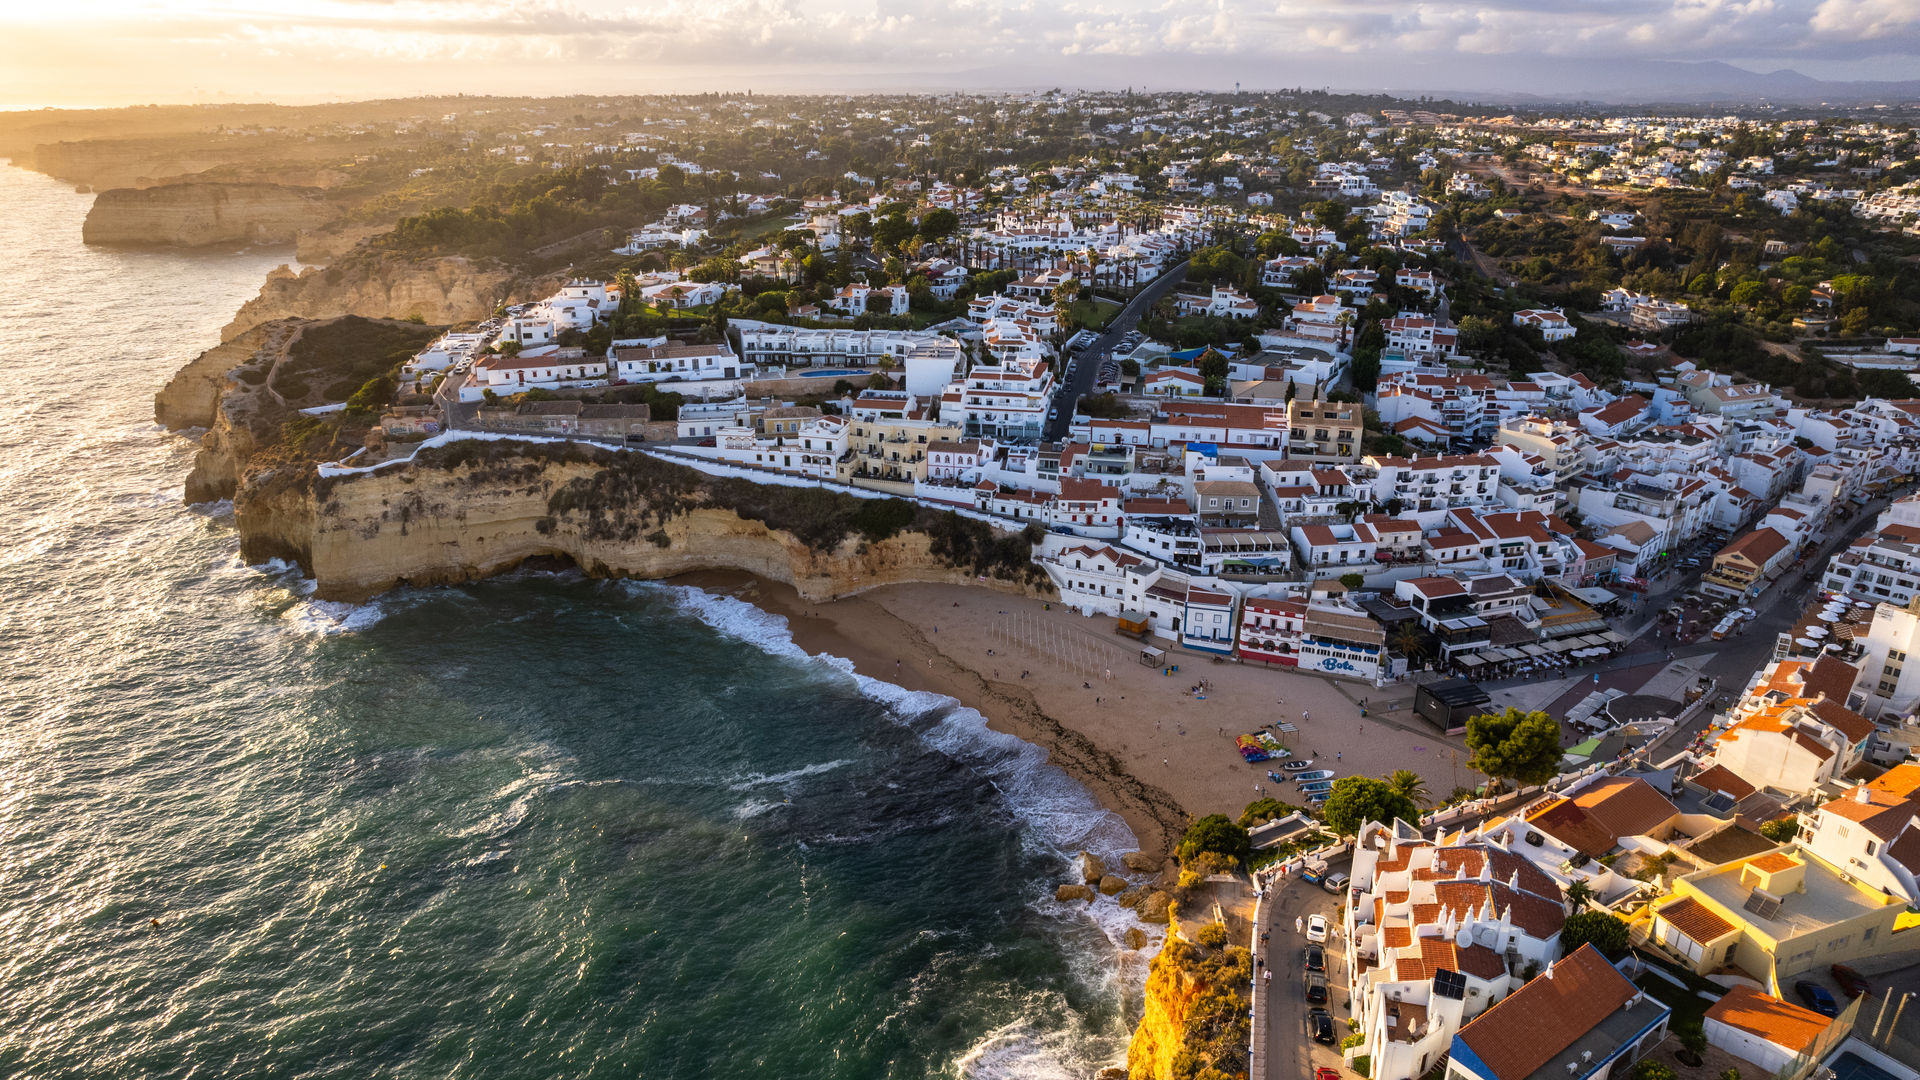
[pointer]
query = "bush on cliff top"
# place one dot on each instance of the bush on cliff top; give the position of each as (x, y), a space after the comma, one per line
(1214, 1038)
(341, 356)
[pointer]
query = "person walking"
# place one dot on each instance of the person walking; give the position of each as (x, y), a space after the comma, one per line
(1299, 925)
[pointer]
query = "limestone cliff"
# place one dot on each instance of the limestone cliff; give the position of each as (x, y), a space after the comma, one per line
(426, 524)
(226, 390)
(1195, 1015)
(440, 291)
(199, 214)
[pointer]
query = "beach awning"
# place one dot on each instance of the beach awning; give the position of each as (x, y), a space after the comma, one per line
(1533, 650)
(1612, 636)
(1563, 645)
(1470, 660)
(1595, 595)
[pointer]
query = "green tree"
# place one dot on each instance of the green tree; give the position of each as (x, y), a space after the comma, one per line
(1747, 293)
(1578, 893)
(1649, 1069)
(1781, 830)
(1216, 833)
(1262, 810)
(939, 224)
(1408, 783)
(1478, 334)
(1352, 581)
(1603, 930)
(1516, 746)
(1356, 800)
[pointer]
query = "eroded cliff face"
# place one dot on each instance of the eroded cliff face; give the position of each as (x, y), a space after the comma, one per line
(226, 391)
(1170, 995)
(444, 290)
(199, 214)
(412, 525)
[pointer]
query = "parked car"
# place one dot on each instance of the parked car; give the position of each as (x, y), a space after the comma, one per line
(1320, 1026)
(1317, 928)
(1851, 982)
(1335, 883)
(1315, 958)
(1326, 1073)
(1816, 997)
(1314, 985)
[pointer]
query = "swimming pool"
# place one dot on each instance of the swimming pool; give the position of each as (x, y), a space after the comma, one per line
(829, 374)
(1851, 1066)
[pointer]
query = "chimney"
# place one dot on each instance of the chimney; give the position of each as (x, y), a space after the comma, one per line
(1861, 795)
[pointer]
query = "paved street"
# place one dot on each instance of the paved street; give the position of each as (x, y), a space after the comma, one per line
(1081, 381)
(1289, 1052)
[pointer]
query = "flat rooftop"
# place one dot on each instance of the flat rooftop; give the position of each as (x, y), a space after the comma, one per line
(1619, 1027)
(1826, 901)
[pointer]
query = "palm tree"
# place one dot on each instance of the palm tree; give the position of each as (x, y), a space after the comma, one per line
(1578, 894)
(1409, 639)
(1408, 783)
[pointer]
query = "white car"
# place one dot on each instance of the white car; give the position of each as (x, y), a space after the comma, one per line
(1317, 929)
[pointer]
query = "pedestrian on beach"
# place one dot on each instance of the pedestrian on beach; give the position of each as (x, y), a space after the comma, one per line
(1164, 761)
(1299, 925)
(1305, 715)
(1338, 754)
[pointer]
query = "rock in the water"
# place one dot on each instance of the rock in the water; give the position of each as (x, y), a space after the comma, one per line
(1154, 908)
(1111, 885)
(1111, 1072)
(1141, 861)
(1132, 896)
(1072, 892)
(1135, 938)
(1091, 868)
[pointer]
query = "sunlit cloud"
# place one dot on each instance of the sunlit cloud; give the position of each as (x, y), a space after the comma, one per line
(358, 48)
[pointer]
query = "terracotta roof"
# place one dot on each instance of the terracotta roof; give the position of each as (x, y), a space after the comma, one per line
(1535, 1023)
(1626, 806)
(1696, 920)
(1573, 826)
(1781, 1023)
(1721, 778)
(1773, 862)
(1757, 547)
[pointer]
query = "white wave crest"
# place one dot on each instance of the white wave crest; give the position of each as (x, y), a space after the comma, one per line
(755, 780)
(1017, 1052)
(322, 618)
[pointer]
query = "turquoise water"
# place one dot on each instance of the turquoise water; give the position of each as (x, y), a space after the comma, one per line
(536, 827)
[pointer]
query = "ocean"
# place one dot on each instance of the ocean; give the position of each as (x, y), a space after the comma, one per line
(540, 826)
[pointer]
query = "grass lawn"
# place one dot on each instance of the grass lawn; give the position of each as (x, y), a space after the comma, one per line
(1093, 313)
(1689, 1008)
(763, 226)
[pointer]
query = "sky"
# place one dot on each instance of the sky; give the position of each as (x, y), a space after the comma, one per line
(117, 52)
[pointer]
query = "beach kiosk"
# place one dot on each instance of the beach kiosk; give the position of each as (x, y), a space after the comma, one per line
(1133, 624)
(1152, 657)
(1448, 704)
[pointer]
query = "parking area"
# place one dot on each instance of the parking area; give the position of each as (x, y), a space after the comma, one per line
(1291, 1050)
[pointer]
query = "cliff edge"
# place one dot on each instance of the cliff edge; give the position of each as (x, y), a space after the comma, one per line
(440, 291)
(200, 214)
(1195, 1018)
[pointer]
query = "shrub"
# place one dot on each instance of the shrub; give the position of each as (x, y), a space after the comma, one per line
(1212, 935)
(1214, 833)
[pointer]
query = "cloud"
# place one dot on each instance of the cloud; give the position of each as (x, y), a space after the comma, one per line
(512, 46)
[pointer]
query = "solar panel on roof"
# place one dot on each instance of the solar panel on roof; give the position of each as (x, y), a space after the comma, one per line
(1450, 984)
(1762, 903)
(1719, 802)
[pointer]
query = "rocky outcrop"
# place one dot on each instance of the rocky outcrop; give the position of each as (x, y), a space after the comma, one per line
(199, 214)
(1155, 907)
(441, 291)
(1110, 885)
(1170, 995)
(1134, 938)
(1141, 861)
(1072, 892)
(420, 524)
(191, 397)
(1091, 868)
(1195, 1013)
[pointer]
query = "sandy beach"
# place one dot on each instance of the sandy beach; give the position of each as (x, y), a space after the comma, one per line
(1147, 746)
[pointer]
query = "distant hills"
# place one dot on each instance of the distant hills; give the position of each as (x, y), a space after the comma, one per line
(1521, 80)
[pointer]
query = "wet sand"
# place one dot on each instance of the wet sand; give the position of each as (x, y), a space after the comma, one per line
(1143, 743)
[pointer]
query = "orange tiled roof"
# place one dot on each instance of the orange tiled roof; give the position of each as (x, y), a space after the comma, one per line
(1781, 1023)
(1696, 920)
(1532, 1025)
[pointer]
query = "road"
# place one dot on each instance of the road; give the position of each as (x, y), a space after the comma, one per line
(1736, 659)
(1290, 1053)
(453, 412)
(1081, 381)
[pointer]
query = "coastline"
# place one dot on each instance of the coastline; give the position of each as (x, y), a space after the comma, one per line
(1135, 736)
(866, 630)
